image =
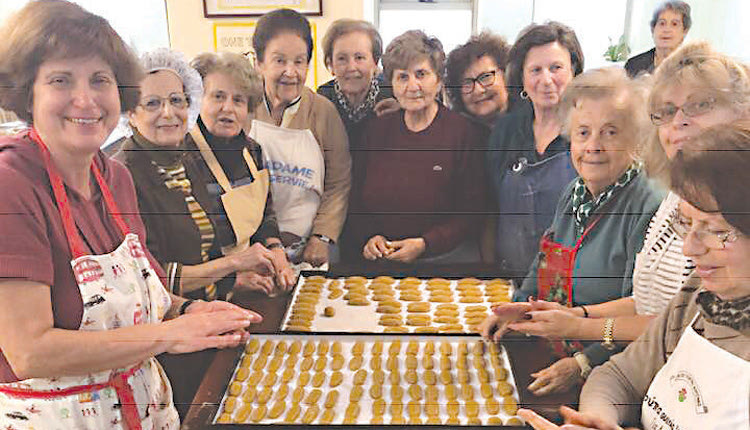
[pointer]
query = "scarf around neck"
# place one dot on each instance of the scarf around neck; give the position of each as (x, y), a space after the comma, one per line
(730, 313)
(584, 203)
(357, 113)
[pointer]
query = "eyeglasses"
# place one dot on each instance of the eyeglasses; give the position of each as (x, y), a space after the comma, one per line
(154, 103)
(714, 239)
(484, 79)
(666, 114)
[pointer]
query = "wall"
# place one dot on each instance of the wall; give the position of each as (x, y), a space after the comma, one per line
(191, 33)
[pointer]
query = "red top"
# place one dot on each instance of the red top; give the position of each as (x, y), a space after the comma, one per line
(33, 244)
(427, 184)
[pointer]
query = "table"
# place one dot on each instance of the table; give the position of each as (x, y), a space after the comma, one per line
(527, 354)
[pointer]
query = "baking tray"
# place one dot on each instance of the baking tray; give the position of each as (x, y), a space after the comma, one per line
(241, 410)
(367, 319)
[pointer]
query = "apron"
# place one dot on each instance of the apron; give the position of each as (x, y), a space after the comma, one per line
(118, 289)
(245, 204)
(527, 200)
(555, 279)
(700, 387)
(297, 168)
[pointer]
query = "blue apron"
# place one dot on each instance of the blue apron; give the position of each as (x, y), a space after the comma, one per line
(527, 200)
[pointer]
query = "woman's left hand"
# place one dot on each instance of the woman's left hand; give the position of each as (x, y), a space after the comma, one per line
(552, 324)
(283, 271)
(574, 419)
(406, 250)
(386, 106)
(316, 252)
(561, 376)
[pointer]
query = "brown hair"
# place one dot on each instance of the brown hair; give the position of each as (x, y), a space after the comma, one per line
(539, 35)
(628, 96)
(676, 6)
(410, 47)
(53, 29)
(238, 67)
(712, 171)
(277, 22)
(697, 66)
(344, 26)
(463, 56)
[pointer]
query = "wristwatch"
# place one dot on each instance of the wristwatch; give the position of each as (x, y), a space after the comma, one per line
(608, 337)
(583, 363)
(325, 239)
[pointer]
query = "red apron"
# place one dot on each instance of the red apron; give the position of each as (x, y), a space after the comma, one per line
(118, 289)
(555, 278)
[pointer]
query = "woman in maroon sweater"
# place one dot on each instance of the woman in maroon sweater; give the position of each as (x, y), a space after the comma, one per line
(418, 182)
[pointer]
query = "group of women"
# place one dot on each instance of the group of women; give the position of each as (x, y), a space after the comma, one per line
(234, 172)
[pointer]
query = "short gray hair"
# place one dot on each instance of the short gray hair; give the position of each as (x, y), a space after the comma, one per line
(238, 67)
(629, 98)
(412, 46)
(676, 6)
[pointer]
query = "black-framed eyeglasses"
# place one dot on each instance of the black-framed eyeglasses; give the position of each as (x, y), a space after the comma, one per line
(154, 103)
(666, 113)
(485, 79)
(714, 239)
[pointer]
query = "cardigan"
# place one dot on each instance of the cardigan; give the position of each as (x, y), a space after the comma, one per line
(315, 113)
(615, 390)
(641, 63)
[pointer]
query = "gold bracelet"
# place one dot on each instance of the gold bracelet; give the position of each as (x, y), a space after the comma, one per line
(608, 334)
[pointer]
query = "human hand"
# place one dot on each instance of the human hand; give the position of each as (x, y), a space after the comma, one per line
(386, 106)
(282, 269)
(575, 421)
(251, 281)
(208, 325)
(406, 250)
(552, 324)
(543, 305)
(316, 252)
(496, 324)
(256, 258)
(376, 247)
(561, 376)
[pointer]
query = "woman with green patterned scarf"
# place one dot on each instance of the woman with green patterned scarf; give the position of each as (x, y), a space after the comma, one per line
(588, 254)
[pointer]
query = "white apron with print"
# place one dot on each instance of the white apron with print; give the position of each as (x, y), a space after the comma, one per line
(118, 289)
(296, 166)
(701, 387)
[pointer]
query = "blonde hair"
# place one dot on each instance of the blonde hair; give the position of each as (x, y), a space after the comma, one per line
(695, 66)
(628, 97)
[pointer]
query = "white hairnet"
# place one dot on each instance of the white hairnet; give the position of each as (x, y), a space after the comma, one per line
(167, 59)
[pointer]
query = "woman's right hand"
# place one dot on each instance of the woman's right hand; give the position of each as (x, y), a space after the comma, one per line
(251, 281)
(256, 258)
(376, 247)
(496, 324)
(209, 326)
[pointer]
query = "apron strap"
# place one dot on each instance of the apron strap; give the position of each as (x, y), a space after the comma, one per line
(61, 197)
(210, 158)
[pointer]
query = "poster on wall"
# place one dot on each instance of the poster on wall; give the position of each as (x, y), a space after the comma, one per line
(241, 8)
(237, 37)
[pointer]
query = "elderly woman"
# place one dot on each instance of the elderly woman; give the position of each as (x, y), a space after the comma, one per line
(351, 51)
(186, 220)
(587, 256)
(528, 159)
(83, 311)
(476, 77)
(416, 168)
(691, 368)
(669, 26)
(304, 141)
(710, 89)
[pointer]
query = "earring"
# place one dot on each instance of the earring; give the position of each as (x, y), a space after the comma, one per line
(524, 95)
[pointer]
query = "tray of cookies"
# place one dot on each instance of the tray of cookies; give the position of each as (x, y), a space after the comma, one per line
(366, 379)
(389, 305)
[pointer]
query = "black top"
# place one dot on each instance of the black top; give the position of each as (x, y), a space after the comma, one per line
(512, 138)
(641, 63)
(354, 129)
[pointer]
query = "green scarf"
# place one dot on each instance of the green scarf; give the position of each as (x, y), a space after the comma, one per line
(584, 203)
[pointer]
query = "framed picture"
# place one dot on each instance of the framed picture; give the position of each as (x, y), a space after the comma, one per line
(244, 8)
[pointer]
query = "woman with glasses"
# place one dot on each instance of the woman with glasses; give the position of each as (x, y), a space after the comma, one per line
(418, 177)
(691, 367)
(475, 77)
(193, 218)
(528, 160)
